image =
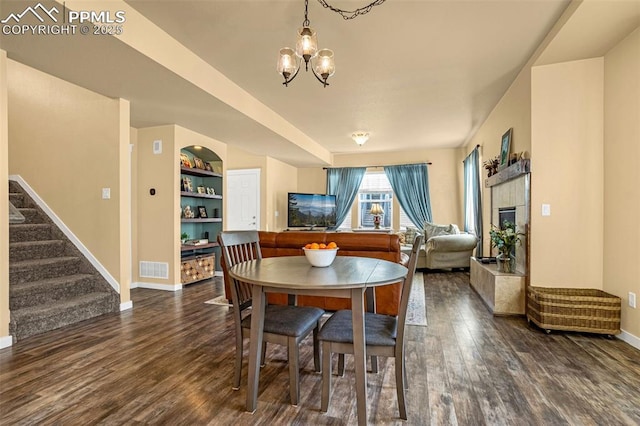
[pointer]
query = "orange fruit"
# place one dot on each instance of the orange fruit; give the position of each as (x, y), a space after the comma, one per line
(322, 245)
(308, 246)
(314, 246)
(332, 245)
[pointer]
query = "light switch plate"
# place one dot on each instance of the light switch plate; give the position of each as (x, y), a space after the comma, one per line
(157, 146)
(106, 193)
(546, 210)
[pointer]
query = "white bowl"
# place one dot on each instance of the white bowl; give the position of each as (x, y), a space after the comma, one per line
(320, 257)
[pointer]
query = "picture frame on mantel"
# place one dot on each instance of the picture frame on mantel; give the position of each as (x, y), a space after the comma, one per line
(505, 148)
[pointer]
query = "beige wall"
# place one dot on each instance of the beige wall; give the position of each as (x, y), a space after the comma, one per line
(68, 143)
(621, 252)
(4, 203)
(567, 148)
(281, 179)
(158, 230)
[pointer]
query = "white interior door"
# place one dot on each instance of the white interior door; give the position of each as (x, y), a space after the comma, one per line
(243, 199)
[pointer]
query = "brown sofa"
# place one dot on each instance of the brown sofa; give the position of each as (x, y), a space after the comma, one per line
(376, 245)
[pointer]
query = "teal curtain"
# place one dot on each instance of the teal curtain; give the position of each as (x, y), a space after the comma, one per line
(410, 183)
(472, 201)
(344, 182)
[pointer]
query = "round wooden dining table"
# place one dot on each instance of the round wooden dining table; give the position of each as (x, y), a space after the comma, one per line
(346, 277)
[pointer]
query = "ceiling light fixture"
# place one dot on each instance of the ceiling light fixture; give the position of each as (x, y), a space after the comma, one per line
(307, 49)
(360, 137)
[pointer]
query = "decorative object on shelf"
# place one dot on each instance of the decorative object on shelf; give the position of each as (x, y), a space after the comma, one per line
(188, 213)
(184, 237)
(504, 148)
(187, 184)
(360, 137)
(202, 212)
(199, 164)
(505, 240)
(184, 160)
(211, 191)
(208, 167)
(492, 166)
(202, 189)
(377, 212)
(216, 213)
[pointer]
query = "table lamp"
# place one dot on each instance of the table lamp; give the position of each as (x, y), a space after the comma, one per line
(377, 212)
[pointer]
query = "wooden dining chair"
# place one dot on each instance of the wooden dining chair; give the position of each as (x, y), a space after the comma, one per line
(384, 336)
(285, 325)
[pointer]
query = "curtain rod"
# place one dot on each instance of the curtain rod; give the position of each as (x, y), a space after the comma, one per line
(428, 163)
(477, 146)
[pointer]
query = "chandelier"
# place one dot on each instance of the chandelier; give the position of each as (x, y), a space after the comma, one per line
(307, 49)
(322, 62)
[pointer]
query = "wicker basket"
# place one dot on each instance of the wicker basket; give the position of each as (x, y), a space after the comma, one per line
(574, 309)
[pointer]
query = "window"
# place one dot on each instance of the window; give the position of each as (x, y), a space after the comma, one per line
(405, 222)
(375, 188)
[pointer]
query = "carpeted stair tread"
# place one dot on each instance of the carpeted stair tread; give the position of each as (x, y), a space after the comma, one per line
(25, 250)
(29, 232)
(39, 319)
(32, 263)
(49, 290)
(39, 269)
(31, 215)
(16, 199)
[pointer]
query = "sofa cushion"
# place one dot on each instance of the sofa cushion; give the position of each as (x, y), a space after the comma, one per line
(433, 230)
(410, 234)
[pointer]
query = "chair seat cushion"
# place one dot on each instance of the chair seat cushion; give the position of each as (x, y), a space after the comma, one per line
(380, 330)
(293, 321)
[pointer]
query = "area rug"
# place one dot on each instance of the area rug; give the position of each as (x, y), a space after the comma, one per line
(220, 300)
(417, 311)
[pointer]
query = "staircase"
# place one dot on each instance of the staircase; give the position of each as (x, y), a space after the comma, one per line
(51, 284)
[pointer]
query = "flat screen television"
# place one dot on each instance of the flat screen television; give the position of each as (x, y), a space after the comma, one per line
(310, 210)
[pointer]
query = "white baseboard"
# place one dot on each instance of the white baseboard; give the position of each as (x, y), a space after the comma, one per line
(629, 338)
(219, 274)
(70, 235)
(154, 286)
(126, 306)
(6, 341)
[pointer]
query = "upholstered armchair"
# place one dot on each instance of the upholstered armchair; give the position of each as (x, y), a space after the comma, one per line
(445, 246)
(449, 251)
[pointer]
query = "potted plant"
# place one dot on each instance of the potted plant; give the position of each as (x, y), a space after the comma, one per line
(184, 237)
(505, 240)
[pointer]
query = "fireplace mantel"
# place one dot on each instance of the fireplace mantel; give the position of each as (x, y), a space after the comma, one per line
(519, 168)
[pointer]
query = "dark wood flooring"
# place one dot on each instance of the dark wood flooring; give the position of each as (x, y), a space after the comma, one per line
(169, 360)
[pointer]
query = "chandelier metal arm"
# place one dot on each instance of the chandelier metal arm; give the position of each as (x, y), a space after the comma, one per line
(350, 14)
(289, 80)
(320, 79)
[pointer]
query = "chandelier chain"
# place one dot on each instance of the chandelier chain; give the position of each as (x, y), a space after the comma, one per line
(306, 22)
(350, 14)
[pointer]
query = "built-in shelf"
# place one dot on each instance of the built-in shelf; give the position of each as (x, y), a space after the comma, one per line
(186, 247)
(519, 168)
(198, 172)
(198, 195)
(202, 220)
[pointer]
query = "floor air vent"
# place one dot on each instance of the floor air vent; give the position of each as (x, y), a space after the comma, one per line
(154, 270)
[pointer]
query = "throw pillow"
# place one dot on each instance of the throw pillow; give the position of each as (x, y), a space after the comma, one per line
(402, 237)
(432, 230)
(411, 234)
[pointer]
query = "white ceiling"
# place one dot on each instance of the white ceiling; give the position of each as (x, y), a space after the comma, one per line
(414, 74)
